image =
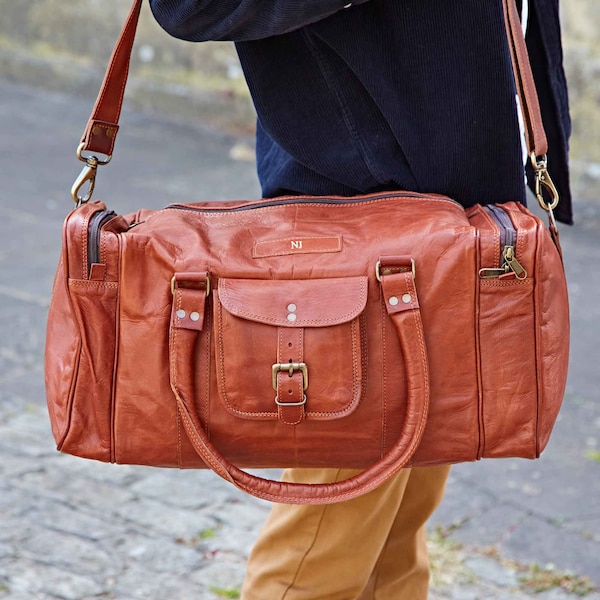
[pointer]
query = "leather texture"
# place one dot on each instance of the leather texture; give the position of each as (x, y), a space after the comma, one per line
(189, 351)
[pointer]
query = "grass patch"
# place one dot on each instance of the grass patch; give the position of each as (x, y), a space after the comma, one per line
(232, 593)
(535, 578)
(539, 579)
(446, 559)
(593, 455)
(206, 534)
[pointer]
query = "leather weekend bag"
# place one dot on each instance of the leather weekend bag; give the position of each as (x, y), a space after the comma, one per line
(373, 332)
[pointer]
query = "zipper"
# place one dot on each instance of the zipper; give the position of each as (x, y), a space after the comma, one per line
(291, 200)
(95, 224)
(508, 241)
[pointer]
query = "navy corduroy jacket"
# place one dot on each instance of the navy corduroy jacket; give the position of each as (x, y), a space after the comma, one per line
(388, 94)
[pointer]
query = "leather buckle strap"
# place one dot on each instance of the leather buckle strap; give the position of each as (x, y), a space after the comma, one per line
(290, 379)
(190, 291)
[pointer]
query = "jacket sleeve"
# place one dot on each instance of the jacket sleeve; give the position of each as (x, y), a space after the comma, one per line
(240, 20)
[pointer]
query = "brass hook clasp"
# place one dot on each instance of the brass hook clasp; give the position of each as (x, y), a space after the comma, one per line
(87, 176)
(543, 182)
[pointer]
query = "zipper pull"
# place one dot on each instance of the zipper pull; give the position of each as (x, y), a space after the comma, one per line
(513, 264)
(491, 273)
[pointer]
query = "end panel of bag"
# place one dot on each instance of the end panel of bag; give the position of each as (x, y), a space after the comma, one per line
(94, 305)
(63, 337)
(553, 335)
(506, 331)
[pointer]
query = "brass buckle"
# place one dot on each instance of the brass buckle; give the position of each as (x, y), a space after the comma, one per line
(290, 368)
(301, 403)
(174, 281)
(387, 271)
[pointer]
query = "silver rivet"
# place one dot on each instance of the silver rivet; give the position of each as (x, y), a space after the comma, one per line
(406, 298)
(194, 316)
(291, 317)
(393, 301)
(291, 307)
(181, 313)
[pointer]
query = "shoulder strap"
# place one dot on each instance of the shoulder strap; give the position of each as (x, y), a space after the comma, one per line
(101, 130)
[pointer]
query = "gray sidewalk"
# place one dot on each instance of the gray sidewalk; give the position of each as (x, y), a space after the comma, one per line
(76, 529)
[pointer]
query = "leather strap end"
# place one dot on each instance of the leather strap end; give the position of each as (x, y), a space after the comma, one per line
(99, 137)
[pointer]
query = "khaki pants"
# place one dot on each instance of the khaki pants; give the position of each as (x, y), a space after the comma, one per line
(369, 548)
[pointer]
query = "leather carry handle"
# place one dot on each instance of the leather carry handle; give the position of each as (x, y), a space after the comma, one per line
(101, 130)
(409, 328)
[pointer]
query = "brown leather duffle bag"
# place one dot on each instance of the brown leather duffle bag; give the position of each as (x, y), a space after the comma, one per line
(373, 332)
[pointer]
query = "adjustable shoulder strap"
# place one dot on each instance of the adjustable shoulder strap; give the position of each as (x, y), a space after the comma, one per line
(101, 130)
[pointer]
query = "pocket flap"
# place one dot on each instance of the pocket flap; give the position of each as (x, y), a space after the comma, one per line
(295, 303)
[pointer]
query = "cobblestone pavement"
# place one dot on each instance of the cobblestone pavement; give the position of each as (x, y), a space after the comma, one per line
(75, 529)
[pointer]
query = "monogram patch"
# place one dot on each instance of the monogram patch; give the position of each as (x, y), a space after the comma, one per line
(299, 245)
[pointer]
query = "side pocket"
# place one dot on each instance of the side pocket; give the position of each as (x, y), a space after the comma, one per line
(88, 432)
(508, 368)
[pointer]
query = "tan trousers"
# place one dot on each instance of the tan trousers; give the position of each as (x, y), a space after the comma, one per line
(369, 548)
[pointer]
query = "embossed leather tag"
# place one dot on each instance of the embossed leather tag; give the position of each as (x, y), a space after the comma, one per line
(299, 245)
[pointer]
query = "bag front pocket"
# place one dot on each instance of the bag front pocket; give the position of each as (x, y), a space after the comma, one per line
(290, 349)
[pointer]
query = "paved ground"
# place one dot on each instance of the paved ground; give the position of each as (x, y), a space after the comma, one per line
(77, 530)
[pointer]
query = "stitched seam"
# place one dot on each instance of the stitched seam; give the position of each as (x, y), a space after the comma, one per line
(506, 283)
(384, 375)
(178, 421)
(478, 361)
(84, 242)
(92, 283)
(207, 334)
(179, 297)
(537, 302)
(176, 376)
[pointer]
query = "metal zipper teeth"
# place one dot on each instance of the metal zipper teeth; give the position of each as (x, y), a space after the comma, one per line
(97, 221)
(287, 201)
(508, 259)
(508, 232)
